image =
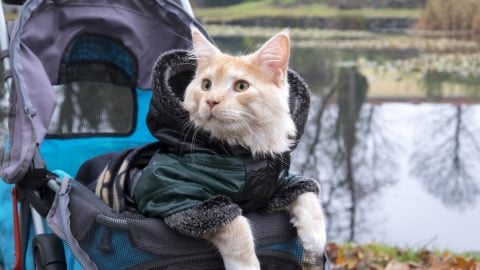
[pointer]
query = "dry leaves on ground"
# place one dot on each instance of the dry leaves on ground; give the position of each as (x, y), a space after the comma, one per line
(353, 257)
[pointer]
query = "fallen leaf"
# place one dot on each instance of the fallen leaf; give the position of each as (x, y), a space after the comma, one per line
(394, 265)
(425, 255)
(463, 264)
(438, 264)
(332, 250)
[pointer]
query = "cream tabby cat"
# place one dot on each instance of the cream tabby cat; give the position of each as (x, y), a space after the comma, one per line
(244, 101)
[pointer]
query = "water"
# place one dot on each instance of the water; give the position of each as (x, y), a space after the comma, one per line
(410, 215)
(393, 133)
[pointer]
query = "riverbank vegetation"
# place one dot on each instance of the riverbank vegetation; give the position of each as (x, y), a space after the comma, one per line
(348, 39)
(265, 9)
(450, 15)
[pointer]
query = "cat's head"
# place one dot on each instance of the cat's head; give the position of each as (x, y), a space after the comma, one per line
(243, 100)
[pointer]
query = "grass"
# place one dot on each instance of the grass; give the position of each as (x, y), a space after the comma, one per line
(265, 9)
(413, 254)
(402, 255)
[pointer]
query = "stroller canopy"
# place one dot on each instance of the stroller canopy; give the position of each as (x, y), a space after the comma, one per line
(114, 41)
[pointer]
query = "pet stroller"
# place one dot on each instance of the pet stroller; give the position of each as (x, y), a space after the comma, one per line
(77, 85)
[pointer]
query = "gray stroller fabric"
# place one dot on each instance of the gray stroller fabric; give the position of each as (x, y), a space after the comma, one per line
(100, 238)
(43, 31)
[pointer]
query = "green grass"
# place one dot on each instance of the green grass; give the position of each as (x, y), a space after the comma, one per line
(402, 255)
(406, 254)
(265, 9)
(475, 255)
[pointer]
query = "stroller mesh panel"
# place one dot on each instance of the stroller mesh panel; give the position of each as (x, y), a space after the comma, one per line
(79, 110)
(148, 244)
(132, 241)
(95, 93)
(111, 249)
(88, 48)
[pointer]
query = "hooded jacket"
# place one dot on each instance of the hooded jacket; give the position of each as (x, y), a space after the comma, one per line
(199, 184)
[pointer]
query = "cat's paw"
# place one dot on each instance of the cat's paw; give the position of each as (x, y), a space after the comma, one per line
(313, 238)
(235, 265)
(307, 217)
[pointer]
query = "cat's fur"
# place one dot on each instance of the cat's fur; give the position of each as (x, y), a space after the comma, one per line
(257, 118)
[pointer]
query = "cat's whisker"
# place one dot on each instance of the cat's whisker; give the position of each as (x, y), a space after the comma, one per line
(190, 125)
(249, 127)
(201, 55)
(181, 36)
(254, 130)
(255, 40)
(253, 118)
(192, 148)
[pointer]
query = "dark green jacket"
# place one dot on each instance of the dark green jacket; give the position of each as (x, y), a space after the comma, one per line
(172, 183)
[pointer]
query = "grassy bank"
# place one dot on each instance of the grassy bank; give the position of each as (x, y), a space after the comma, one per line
(345, 39)
(376, 256)
(265, 9)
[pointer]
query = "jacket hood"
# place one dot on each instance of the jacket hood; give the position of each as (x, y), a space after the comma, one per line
(168, 120)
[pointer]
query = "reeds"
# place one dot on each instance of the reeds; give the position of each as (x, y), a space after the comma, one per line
(450, 15)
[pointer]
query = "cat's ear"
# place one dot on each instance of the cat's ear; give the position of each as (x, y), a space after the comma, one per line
(273, 56)
(203, 50)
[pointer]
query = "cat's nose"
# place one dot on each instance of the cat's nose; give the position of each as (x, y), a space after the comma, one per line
(211, 103)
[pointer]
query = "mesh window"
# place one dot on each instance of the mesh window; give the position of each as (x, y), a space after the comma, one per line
(92, 108)
(96, 89)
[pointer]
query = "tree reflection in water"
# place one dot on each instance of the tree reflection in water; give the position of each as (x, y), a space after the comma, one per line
(446, 160)
(347, 148)
(353, 151)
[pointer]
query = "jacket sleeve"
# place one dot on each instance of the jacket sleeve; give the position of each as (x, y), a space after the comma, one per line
(291, 187)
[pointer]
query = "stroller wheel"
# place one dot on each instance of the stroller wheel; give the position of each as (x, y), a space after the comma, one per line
(48, 253)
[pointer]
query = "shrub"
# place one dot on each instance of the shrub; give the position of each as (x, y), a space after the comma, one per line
(450, 15)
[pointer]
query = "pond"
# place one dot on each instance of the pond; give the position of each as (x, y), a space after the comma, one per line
(393, 133)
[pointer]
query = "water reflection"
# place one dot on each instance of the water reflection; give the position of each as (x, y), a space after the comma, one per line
(347, 149)
(446, 157)
(354, 145)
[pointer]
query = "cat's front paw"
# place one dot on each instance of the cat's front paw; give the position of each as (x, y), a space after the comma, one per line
(313, 238)
(307, 217)
(235, 265)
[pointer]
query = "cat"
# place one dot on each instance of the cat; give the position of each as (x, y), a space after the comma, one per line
(244, 100)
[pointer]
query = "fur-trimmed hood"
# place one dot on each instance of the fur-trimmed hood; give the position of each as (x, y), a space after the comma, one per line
(168, 120)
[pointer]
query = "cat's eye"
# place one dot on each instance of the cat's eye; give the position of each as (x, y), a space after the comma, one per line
(241, 86)
(206, 85)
